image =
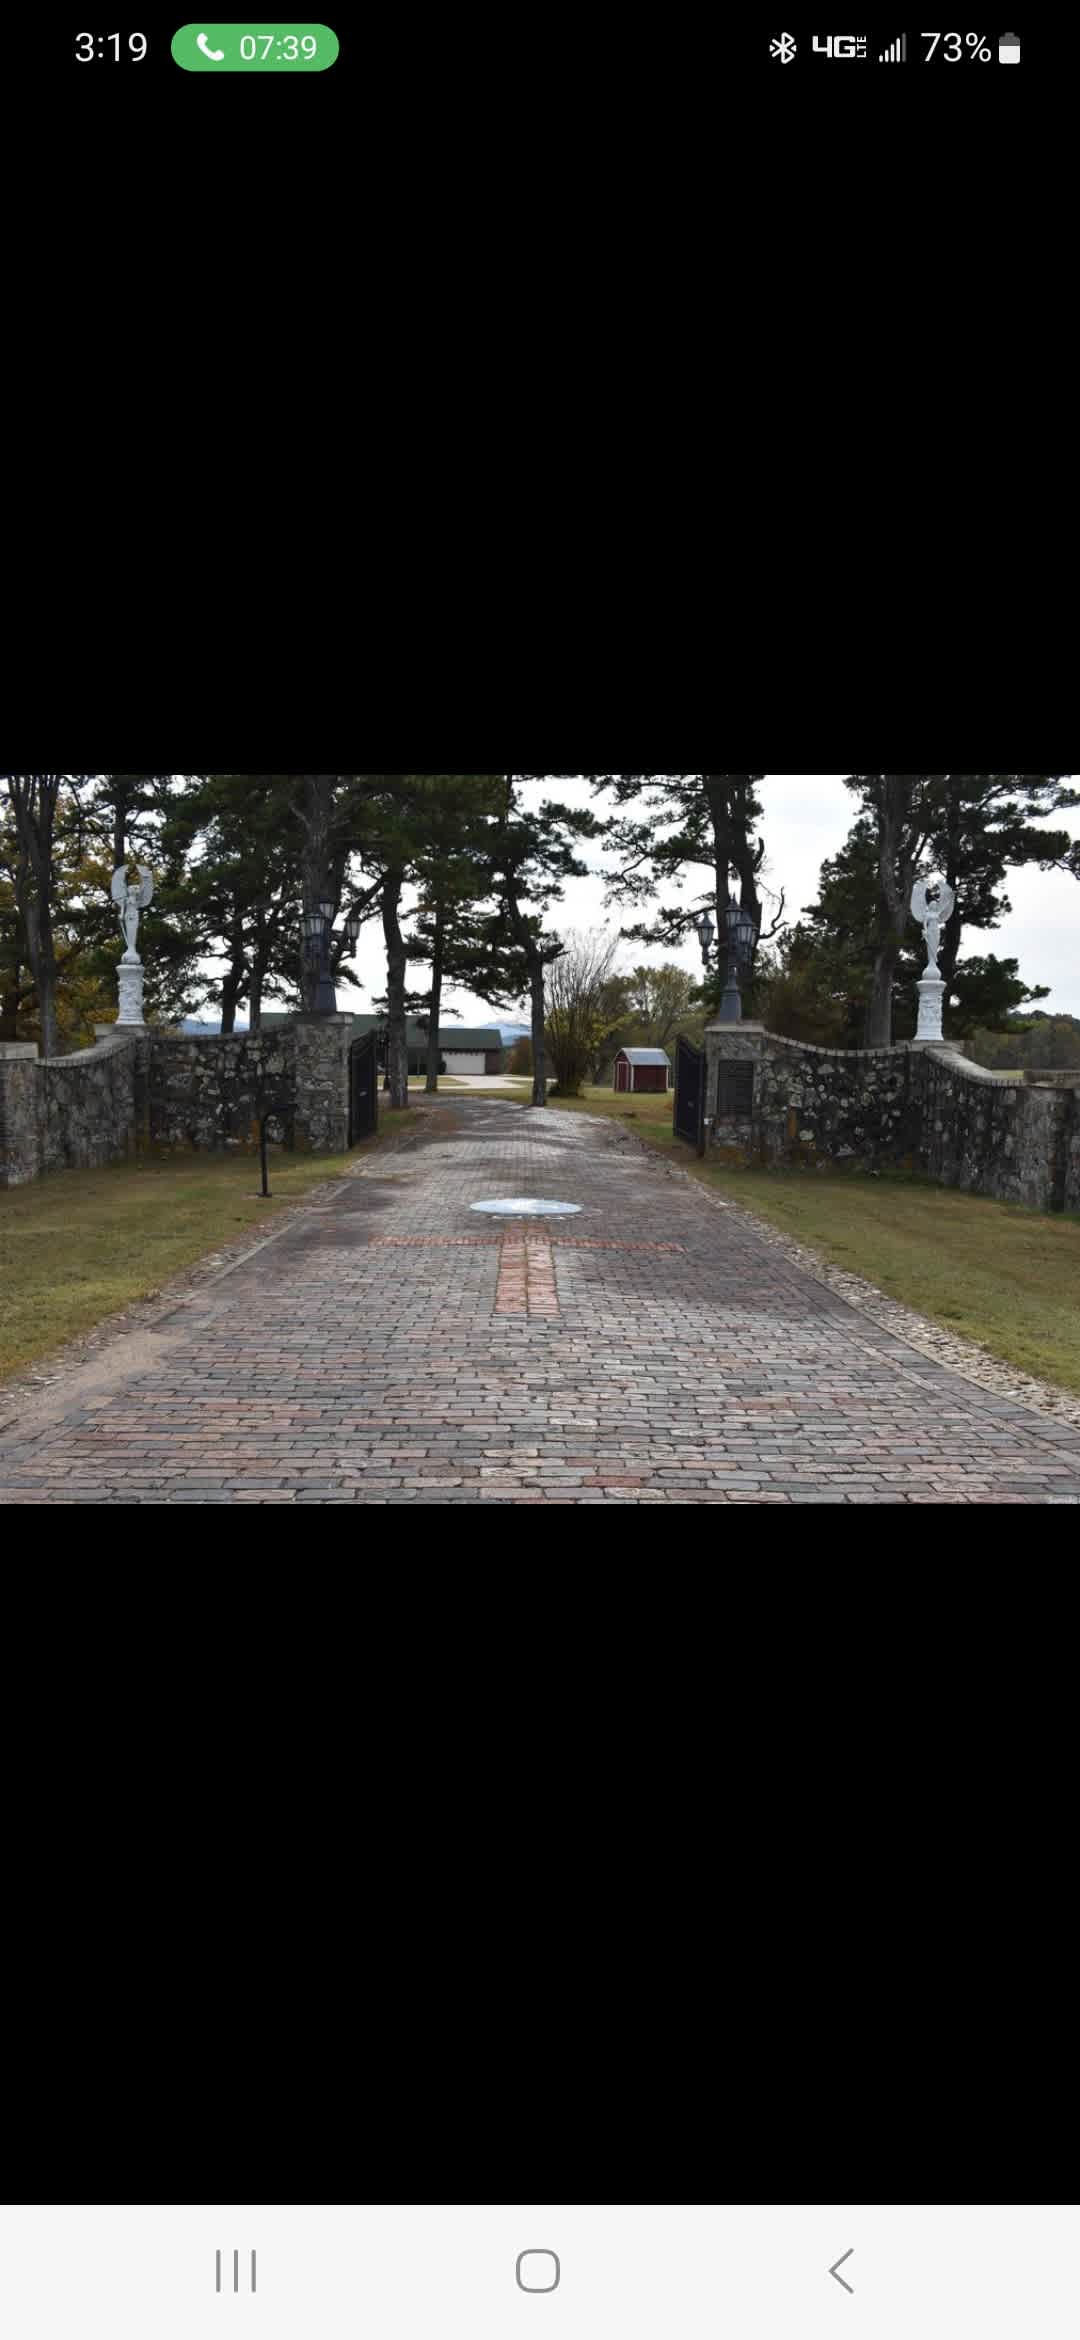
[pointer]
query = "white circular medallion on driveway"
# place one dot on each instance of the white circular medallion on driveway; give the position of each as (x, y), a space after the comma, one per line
(522, 1206)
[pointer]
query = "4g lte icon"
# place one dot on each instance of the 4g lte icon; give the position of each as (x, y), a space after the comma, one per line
(839, 45)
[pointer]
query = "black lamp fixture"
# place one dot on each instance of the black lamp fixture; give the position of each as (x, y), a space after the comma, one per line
(706, 931)
(317, 926)
(741, 929)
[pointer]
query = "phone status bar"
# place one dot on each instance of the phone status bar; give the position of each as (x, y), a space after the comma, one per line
(816, 50)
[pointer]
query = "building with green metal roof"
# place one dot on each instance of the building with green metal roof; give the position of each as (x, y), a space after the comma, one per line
(463, 1048)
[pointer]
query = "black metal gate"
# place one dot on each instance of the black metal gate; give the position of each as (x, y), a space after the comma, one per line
(363, 1089)
(690, 1093)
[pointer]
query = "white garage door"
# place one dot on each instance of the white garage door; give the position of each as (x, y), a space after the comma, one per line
(463, 1062)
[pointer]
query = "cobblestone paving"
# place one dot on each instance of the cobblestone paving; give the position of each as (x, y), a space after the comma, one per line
(389, 1346)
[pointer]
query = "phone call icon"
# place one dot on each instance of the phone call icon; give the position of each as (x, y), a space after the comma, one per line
(217, 56)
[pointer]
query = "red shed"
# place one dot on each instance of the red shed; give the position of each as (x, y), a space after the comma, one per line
(642, 1068)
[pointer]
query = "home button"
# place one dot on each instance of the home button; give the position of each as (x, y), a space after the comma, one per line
(538, 2271)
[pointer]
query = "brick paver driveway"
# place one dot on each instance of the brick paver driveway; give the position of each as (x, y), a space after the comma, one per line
(388, 1345)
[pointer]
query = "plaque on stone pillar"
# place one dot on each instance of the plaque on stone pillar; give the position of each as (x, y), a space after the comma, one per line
(734, 1091)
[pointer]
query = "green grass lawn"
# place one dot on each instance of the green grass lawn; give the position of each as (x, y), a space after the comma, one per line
(80, 1243)
(651, 1112)
(989, 1271)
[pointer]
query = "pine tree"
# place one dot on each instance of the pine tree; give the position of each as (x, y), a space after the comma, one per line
(969, 828)
(455, 812)
(670, 826)
(33, 799)
(232, 850)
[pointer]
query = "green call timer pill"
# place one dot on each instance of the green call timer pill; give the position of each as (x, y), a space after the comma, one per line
(254, 48)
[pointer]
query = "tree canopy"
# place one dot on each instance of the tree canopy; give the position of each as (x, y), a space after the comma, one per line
(464, 877)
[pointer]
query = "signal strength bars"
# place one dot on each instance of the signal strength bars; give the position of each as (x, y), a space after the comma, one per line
(896, 53)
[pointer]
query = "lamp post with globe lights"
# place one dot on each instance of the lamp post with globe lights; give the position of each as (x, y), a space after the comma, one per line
(741, 929)
(318, 926)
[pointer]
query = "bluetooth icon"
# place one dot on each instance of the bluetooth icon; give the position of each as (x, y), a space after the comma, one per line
(783, 47)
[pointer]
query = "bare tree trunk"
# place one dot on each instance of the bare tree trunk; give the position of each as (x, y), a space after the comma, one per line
(954, 924)
(9, 1010)
(230, 996)
(259, 957)
(34, 796)
(716, 797)
(539, 1044)
(316, 811)
(432, 1082)
(902, 823)
(726, 794)
(535, 960)
(39, 942)
(877, 1031)
(396, 965)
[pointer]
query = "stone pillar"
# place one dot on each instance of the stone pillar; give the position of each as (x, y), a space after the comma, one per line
(130, 980)
(20, 1113)
(931, 1002)
(741, 1048)
(322, 1083)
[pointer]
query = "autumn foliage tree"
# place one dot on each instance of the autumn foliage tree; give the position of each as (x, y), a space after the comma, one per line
(579, 1019)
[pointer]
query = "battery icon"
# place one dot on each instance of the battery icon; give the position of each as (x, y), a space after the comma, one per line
(1009, 49)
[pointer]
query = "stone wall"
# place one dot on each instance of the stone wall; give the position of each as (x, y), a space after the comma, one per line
(1070, 1184)
(924, 1109)
(322, 1083)
(994, 1137)
(163, 1092)
(20, 1113)
(93, 1103)
(857, 1105)
(207, 1091)
(73, 1112)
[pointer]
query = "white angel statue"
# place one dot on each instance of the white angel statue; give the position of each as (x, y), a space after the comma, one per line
(932, 915)
(130, 899)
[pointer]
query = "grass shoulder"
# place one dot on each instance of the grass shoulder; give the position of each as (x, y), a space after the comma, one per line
(989, 1271)
(78, 1245)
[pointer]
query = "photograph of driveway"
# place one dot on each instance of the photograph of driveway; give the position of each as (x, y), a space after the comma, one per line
(386, 1343)
(472, 1138)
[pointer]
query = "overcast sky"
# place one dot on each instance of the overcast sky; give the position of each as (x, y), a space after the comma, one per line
(806, 819)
